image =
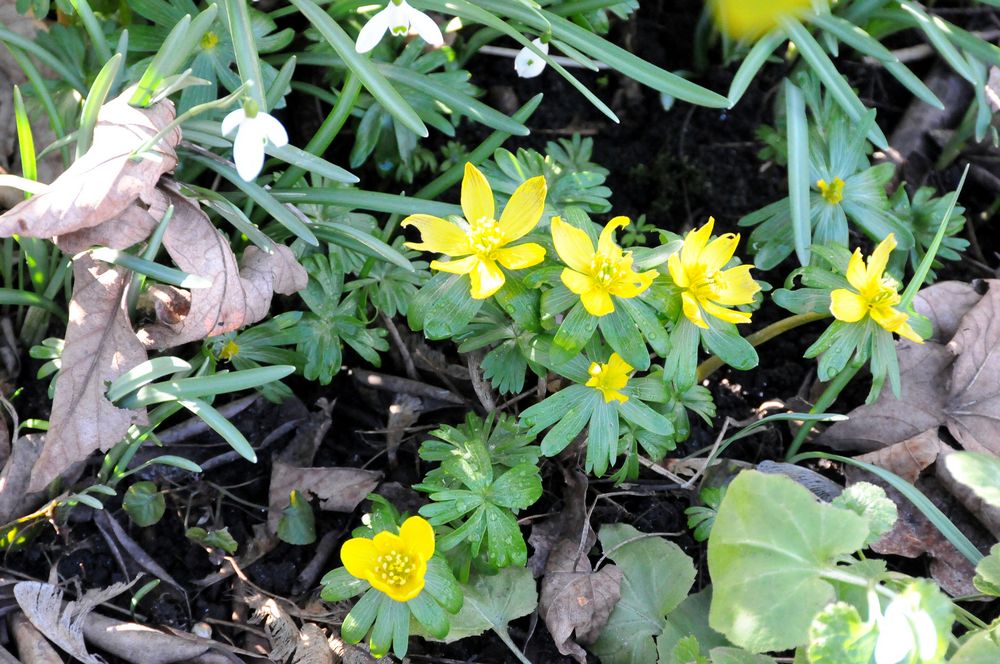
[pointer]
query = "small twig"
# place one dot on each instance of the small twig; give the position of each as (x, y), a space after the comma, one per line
(231, 456)
(404, 352)
(480, 385)
(634, 538)
(660, 470)
(324, 549)
(389, 383)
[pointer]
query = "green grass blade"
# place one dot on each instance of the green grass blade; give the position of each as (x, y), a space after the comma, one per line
(245, 49)
(281, 82)
(798, 170)
(362, 67)
(752, 63)
(174, 52)
(362, 241)
(220, 425)
(93, 28)
(49, 60)
(145, 373)
(204, 386)
(92, 105)
(359, 199)
(20, 298)
(162, 273)
(311, 163)
(939, 36)
(25, 139)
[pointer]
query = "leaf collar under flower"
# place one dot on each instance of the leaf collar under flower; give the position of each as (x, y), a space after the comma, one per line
(393, 564)
(480, 237)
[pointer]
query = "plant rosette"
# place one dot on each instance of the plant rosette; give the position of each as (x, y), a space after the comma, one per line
(398, 575)
(606, 399)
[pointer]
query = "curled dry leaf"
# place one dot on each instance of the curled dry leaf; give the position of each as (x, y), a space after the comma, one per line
(104, 182)
(910, 457)
(575, 598)
(924, 371)
(280, 628)
(129, 228)
(16, 476)
(238, 295)
(139, 643)
(32, 647)
(945, 303)
(338, 489)
(100, 346)
(312, 647)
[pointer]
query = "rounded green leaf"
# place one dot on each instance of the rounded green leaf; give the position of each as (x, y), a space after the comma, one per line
(144, 504)
(430, 615)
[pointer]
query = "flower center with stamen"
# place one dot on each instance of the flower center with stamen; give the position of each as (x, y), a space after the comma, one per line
(394, 567)
(485, 237)
(606, 269)
(833, 192)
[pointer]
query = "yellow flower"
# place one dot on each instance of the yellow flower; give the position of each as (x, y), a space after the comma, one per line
(875, 293)
(832, 193)
(480, 237)
(597, 275)
(229, 351)
(610, 378)
(393, 564)
(705, 286)
(751, 19)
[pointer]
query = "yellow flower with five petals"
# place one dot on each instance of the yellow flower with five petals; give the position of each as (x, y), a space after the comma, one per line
(706, 288)
(610, 378)
(874, 294)
(393, 564)
(480, 237)
(751, 19)
(597, 275)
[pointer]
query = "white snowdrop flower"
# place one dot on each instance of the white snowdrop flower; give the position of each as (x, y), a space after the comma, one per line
(528, 64)
(399, 18)
(253, 130)
(904, 629)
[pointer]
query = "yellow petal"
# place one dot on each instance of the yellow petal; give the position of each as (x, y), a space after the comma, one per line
(677, 271)
(634, 284)
(573, 245)
(847, 306)
(386, 542)
(889, 318)
(692, 311)
(477, 197)
(437, 235)
(728, 315)
(750, 19)
(419, 537)
(358, 556)
(521, 256)
(695, 242)
(618, 366)
(718, 252)
(908, 332)
(606, 243)
(576, 282)
(461, 266)
(857, 275)
(524, 210)
(487, 279)
(735, 286)
(597, 302)
(880, 257)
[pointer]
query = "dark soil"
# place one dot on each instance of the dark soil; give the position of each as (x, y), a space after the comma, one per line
(678, 167)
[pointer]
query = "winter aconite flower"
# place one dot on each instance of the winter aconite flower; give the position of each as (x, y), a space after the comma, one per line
(480, 238)
(597, 275)
(750, 19)
(832, 192)
(610, 378)
(253, 129)
(529, 64)
(874, 293)
(393, 564)
(399, 18)
(706, 288)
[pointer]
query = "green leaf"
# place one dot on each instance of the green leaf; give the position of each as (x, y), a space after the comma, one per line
(95, 99)
(297, 524)
(518, 488)
(979, 649)
(987, 579)
(218, 539)
(576, 330)
(871, 503)
(505, 545)
(339, 585)
(798, 170)
(441, 583)
(769, 548)
(430, 615)
(723, 655)
(690, 618)
(362, 67)
(837, 635)
(724, 340)
(362, 616)
(980, 472)
(656, 578)
(443, 307)
(752, 63)
(144, 504)
(624, 337)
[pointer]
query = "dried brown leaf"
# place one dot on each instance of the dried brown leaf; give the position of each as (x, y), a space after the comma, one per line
(100, 346)
(129, 228)
(133, 642)
(924, 370)
(574, 598)
(973, 410)
(17, 475)
(312, 647)
(32, 647)
(910, 457)
(105, 181)
(279, 626)
(945, 303)
(338, 489)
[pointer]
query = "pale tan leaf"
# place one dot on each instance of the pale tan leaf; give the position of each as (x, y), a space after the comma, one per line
(105, 181)
(924, 370)
(100, 346)
(910, 457)
(312, 647)
(133, 642)
(973, 410)
(264, 274)
(129, 228)
(17, 475)
(338, 489)
(279, 626)
(945, 303)
(32, 647)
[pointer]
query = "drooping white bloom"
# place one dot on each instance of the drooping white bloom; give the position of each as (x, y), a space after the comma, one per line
(399, 18)
(252, 132)
(904, 629)
(528, 64)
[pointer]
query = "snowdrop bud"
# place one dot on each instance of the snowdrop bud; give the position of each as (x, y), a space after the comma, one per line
(529, 64)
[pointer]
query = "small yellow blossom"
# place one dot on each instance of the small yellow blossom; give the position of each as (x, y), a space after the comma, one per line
(393, 564)
(609, 379)
(597, 275)
(705, 287)
(751, 19)
(480, 238)
(833, 192)
(230, 350)
(874, 294)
